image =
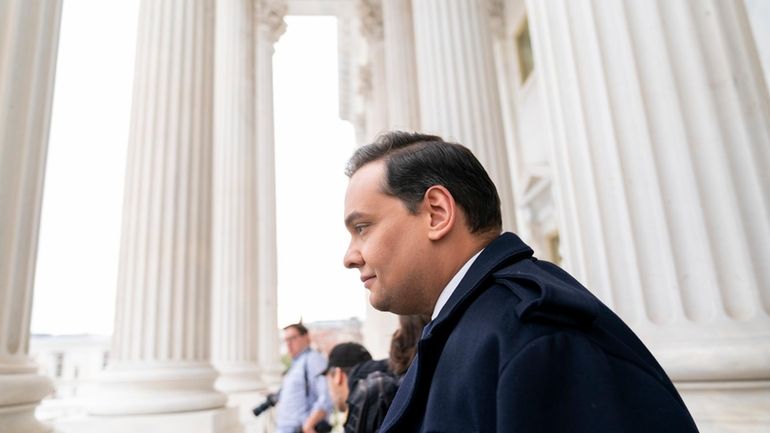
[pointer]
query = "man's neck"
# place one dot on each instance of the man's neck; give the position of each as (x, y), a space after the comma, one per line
(453, 257)
(453, 283)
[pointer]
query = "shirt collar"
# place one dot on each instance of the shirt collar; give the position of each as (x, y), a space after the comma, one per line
(452, 285)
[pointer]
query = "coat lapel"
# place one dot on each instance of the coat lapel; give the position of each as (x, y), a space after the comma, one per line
(505, 249)
(403, 398)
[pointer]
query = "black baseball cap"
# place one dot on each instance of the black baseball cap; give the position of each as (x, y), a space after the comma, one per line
(346, 355)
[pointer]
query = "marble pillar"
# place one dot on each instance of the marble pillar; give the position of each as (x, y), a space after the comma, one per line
(459, 97)
(400, 65)
(659, 122)
(512, 103)
(377, 78)
(374, 83)
(29, 37)
(270, 26)
(160, 359)
(236, 331)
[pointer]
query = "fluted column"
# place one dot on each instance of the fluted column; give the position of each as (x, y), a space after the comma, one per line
(458, 89)
(374, 80)
(29, 37)
(380, 76)
(270, 26)
(400, 65)
(160, 360)
(235, 297)
(660, 124)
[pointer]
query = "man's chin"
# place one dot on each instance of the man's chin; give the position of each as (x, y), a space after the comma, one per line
(388, 307)
(378, 303)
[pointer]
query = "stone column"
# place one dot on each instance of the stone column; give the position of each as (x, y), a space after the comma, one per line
(160, 360)
(400, 65)
(378, 327)
(270, 26)
(459, 99)
(660, 126)
(373, 86)
(511, 104)
(759, 15)
(235, 298)
(29, 37)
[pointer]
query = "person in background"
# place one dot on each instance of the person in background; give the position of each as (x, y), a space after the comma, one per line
(364, 387)
(342, 358)
(403, 345)
(303, 401)
(359, 386)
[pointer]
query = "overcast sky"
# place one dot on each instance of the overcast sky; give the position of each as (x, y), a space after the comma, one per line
(80, 230)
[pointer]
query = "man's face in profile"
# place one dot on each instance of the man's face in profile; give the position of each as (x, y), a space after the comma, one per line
(388, 244)
(338, 388)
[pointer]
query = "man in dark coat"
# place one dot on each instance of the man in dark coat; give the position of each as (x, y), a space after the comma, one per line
(515, 344)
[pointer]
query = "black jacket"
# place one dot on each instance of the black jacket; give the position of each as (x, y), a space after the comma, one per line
(372, 388)
(521, 346)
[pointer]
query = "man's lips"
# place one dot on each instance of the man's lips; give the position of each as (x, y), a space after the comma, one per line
(367, 280)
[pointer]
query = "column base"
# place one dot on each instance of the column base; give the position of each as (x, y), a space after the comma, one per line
(728, 407)
(154, 390)
(21, 419)
(20, 395)
(239, 378)
(245, 402)
(209, 421)
(273, 376)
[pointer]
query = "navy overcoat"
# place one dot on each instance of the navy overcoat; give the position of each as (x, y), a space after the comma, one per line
(521, 346)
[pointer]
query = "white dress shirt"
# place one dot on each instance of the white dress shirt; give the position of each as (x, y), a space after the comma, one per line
(452, 285)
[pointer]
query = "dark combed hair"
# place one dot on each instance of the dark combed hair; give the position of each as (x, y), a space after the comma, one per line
(403, 345)
(298, 326)
(415, 162)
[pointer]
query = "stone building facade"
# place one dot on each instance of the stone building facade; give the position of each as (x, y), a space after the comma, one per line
(630, 141)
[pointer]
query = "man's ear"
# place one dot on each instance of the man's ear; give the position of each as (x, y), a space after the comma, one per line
(442, 209)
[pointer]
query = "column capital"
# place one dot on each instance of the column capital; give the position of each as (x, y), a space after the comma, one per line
(370, 15)
(271, 13)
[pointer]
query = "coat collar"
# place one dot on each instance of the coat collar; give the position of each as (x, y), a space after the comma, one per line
(507, 248)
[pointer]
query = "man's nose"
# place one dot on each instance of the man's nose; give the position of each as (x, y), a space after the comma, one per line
(352, 259)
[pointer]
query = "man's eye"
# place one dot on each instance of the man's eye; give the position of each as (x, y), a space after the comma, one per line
(360, 228)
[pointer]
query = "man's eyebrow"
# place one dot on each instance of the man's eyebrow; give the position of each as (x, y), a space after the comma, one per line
(352, 217)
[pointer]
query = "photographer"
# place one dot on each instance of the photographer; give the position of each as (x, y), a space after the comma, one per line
(362, 387)
(304, 398)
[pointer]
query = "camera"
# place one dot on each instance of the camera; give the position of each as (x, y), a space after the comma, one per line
(269, 402)
(322, 427)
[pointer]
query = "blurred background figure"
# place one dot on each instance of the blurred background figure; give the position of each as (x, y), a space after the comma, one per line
(342, 358)
(403, 346)
(303, 401)
(364, 387)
